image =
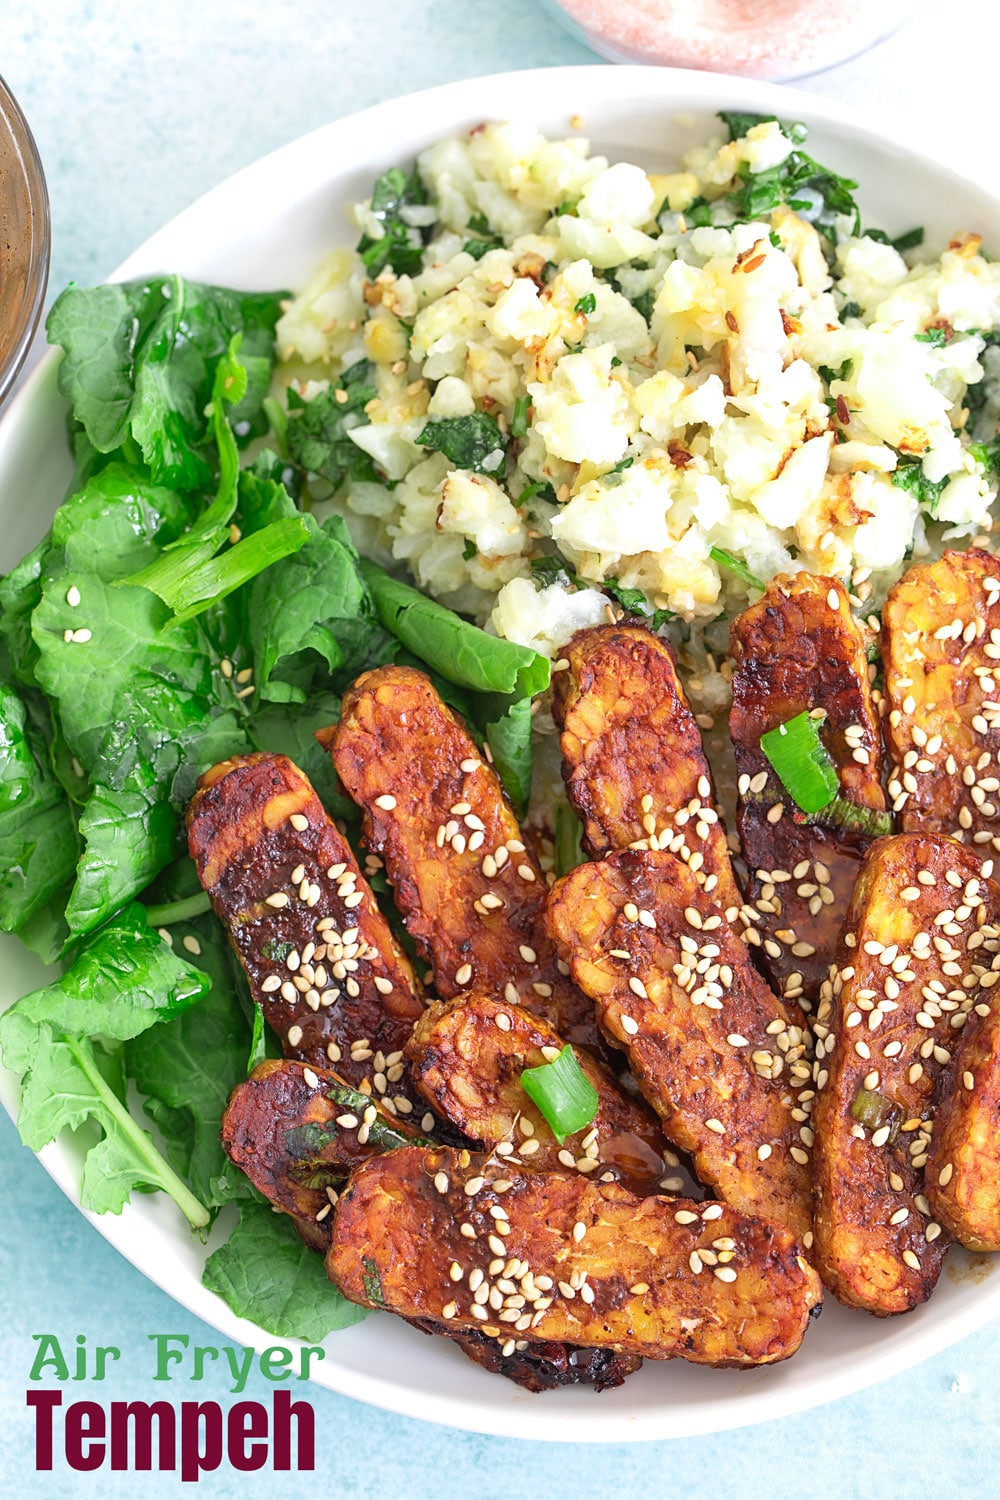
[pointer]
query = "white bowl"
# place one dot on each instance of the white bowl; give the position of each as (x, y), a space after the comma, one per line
(268, 226)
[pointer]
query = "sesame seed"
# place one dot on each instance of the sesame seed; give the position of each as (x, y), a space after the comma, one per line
(724, 1273)
(629, 1026)
(191, 944)
(945, 1174)
(311, 1080)
(638, 988)
(385, 802)
(579, 1230)
(293, 1036)
(277, 899)
(763, 1152)
(685, 1216)
(73, 596)
(299, 822)
(81, 637)
(463, 975)
(716, 1126)
(474, 1186)
(911, 1260)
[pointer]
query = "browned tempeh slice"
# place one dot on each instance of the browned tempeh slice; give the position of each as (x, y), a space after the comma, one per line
(963, 1162)
(420, 1234)
(540, 1366)
(720, 1058)
(799, 649)
(920, 934)
(941, 649)
(633, 762)
(466, 1059)
(318, 953)
(471, 894)
(297, 1131)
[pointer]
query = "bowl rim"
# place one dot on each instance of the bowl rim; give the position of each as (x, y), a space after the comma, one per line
(741, 1406)
(32, 180)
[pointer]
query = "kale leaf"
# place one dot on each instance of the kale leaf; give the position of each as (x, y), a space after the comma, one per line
(317, 431)
(140, 359)
(814, 191)
(909, 475)
(400, 246)
(474, 442)
(64, 1042)
(38, 843)
(265, 1273)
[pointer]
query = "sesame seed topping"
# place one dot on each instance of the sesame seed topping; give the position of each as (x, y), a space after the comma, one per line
(293, 1036)
(385, 802)
(277, 899)
(629, 1025)
(299, 822)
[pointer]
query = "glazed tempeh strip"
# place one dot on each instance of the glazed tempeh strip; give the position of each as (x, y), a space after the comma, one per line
(941, 649)
(720, 1058)
(318, 953)
(466, 1059)
(633, 762)
(553, 1255)
(470, 892)
(297, 1131)
(921, 935)
(798, 649)
(963, 1162)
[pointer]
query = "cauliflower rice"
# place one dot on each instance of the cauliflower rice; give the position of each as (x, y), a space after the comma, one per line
(682, 403)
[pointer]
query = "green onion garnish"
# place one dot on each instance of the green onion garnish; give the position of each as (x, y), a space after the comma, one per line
(801, 762)
(872, 1110)
(870, 821)
(563, 1093)
(727, 560)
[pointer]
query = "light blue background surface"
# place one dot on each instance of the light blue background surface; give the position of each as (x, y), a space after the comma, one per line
(138, 107)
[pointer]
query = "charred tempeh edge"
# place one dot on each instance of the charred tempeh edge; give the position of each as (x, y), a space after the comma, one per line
(466, 1059)
(721, 1059)
(633, 761)
(920, 936)
(471, 894)
(963, 1161)
(539, 1366)
(297, 1131)
(941, 650)
(552, 1255)
(796, 650)
(318, 954)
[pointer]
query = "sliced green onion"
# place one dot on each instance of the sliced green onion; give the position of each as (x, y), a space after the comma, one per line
(563, 1093)
(727, 560)
(801, 762)
(871, 821)
(873, 1110)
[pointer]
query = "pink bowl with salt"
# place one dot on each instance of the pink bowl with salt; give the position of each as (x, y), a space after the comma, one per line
(772, 39)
